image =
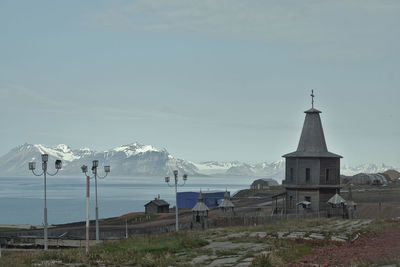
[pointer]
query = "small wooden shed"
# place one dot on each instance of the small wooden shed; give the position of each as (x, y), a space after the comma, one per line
(157, 206)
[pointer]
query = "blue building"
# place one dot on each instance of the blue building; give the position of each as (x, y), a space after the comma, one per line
(187, 200)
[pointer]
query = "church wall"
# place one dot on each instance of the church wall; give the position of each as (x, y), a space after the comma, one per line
(313, 194)
(291, 200)
(296, 196)
(313, 165)
(290, 164)
(330, 167)
(299, 166)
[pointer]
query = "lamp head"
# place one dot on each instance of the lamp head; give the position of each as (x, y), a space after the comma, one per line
(95, 163)
(32, 166)
(167, 179)
(58, 164)
(84, 168)
(185, 176)
(45, 157)
(176, 173)
(106, 169)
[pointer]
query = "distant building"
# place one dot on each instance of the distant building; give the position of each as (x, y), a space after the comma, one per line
(370, 178)
(263, 184)
(157, 206)
(312, 172)
(187, 200)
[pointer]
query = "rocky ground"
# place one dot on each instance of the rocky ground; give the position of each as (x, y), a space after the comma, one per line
(242, 248)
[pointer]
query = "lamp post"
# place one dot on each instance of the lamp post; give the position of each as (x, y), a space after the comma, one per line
(94, 171)
(32, 167)
(176, 194)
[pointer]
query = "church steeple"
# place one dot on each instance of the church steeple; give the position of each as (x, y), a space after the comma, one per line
(312, 140)
(312, 137)
(312, 173)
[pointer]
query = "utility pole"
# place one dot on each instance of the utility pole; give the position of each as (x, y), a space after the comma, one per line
(94, 171)
(126, 227)
(87, 213)
(32, 166)
(176, 194)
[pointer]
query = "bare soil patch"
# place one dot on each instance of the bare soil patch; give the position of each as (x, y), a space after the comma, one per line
(372, 247)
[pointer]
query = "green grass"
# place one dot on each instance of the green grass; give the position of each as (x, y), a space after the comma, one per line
(3, 229)
(300, 225)
(259, 192)
(134, 218)
(268, 260)
(227, 252)
(154, 250)
(290, 250)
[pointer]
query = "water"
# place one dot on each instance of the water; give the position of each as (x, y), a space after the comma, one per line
(22, 199)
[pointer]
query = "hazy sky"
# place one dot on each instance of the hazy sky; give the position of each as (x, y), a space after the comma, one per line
(208, 80)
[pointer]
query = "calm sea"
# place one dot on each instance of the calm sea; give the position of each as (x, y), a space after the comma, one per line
(21, 198)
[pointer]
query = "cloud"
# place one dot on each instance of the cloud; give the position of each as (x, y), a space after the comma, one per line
(240, 19)
(341, 28)
(17, 96)
(20, 98)
(266, 20)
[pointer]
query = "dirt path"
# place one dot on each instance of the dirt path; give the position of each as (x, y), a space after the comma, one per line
(375, 247)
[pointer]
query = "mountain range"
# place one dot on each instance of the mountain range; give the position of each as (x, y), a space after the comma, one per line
(136, 159)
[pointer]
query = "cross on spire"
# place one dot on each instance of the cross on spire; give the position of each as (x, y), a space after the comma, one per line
(312, 98)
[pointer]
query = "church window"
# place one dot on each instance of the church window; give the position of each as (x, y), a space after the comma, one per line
(326, 175)
(291, 174)
(308, 175)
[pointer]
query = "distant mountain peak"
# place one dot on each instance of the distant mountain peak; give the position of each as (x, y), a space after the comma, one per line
(63, 147)
(365, 168)
(61, 151)
(135, 148)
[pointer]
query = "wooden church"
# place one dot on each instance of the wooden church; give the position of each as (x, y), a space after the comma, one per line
(312, 173)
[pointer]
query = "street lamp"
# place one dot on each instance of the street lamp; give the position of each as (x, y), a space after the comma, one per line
(185, 176)
(94, 171)
(32, 167)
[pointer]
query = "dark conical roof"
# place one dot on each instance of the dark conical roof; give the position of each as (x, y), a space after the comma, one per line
(312, 141)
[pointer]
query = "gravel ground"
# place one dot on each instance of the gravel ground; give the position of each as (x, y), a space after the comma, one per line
(380, 247)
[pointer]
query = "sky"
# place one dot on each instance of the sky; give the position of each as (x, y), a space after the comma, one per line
(207, 80)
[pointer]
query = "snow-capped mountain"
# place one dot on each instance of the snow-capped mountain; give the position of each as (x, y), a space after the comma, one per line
(270, 170)
(215, 167)
(365, 168)
(266, 170)
(127, 160)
